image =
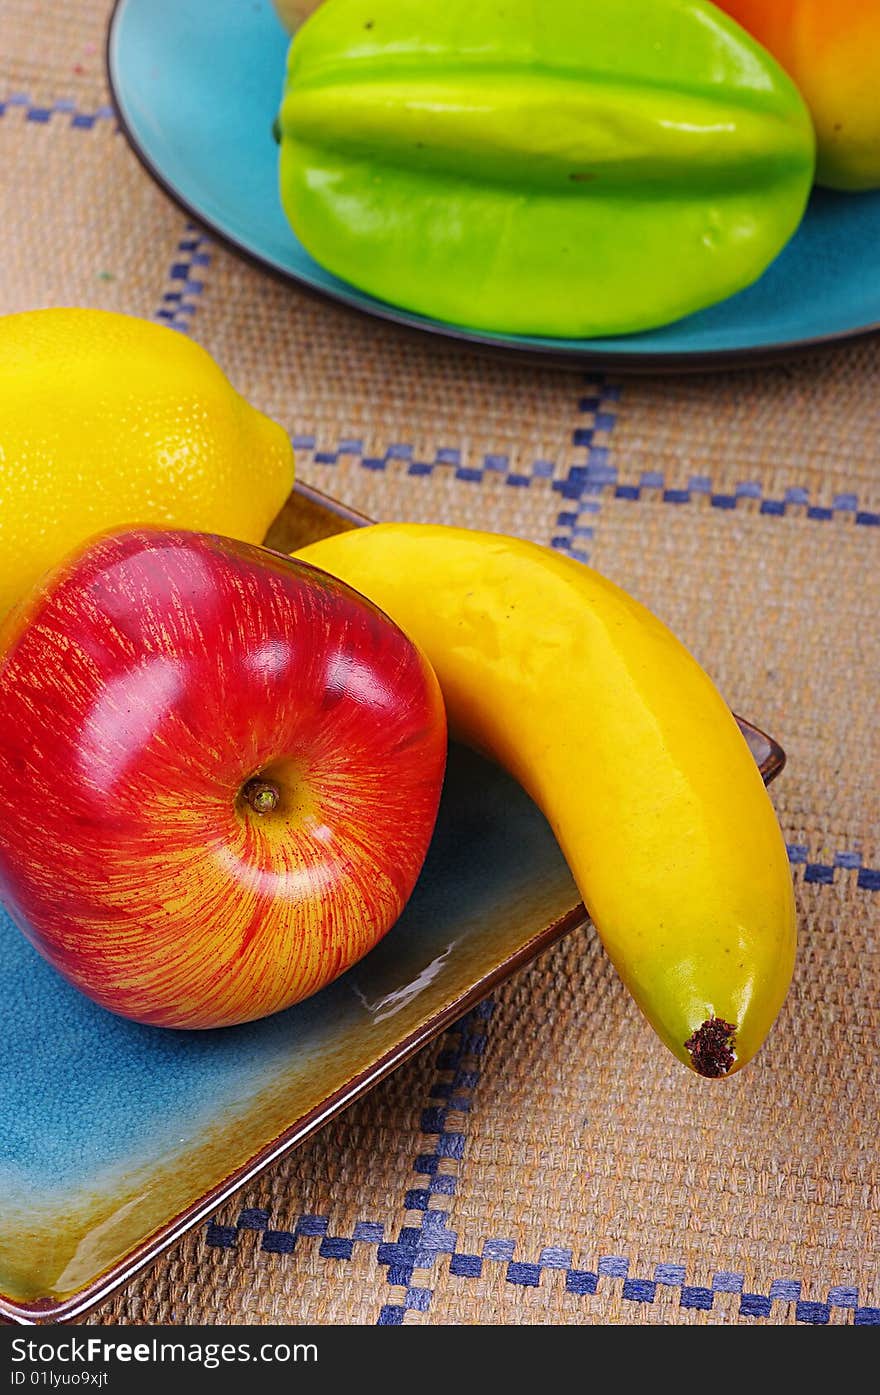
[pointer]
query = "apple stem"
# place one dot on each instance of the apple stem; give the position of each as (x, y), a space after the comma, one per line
(262, 795)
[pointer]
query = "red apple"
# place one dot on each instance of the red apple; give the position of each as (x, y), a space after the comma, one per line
(219, 775)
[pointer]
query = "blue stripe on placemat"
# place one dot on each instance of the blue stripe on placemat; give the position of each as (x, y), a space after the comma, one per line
(419, 1247)
(823, 873)
(588, 483)
(586, 480)
(178, 304)
(414, 1249)
(40, 114)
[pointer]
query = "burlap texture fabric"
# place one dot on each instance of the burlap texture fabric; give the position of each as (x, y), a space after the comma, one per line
(543, 1160)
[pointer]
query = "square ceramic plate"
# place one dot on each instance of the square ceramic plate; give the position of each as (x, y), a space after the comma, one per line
(116, 1138)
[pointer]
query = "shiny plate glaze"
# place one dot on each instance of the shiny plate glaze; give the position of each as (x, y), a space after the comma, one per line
(197, 85)
(115, 1138)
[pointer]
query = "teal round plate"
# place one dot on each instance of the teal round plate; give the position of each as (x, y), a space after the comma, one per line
(197, 85)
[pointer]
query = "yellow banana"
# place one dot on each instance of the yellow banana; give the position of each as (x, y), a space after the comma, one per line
(630, 751)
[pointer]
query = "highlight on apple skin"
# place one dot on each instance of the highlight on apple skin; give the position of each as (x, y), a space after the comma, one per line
(220, 771)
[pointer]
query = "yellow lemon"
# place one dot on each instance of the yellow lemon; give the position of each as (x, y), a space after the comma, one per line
(106, 420)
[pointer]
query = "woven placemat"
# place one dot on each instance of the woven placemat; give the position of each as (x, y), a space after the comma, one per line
(542, 1162)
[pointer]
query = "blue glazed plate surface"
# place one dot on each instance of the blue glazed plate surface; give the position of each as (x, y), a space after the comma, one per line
(115, 1138)
(197, 84)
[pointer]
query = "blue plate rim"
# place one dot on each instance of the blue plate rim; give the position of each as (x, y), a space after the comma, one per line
(452, 337)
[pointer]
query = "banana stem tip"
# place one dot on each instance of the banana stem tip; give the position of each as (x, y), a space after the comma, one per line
(711, 1047)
